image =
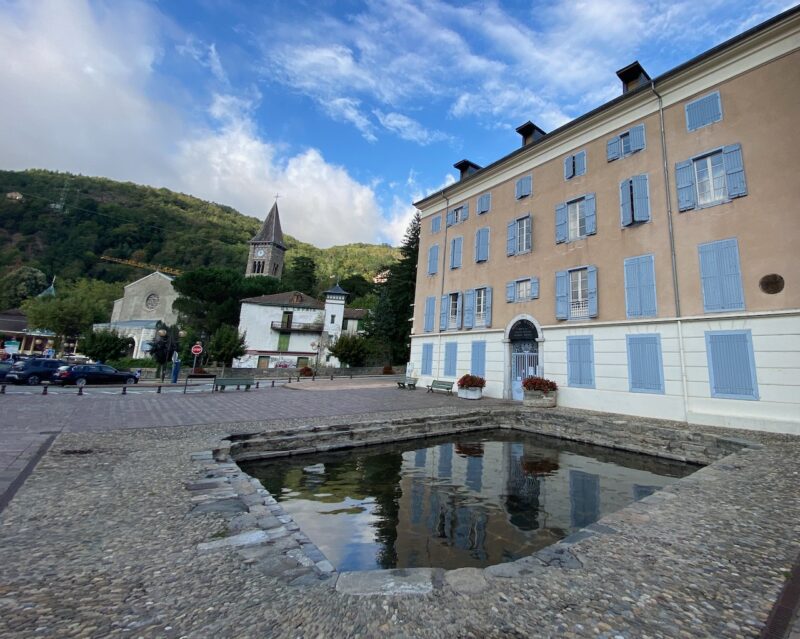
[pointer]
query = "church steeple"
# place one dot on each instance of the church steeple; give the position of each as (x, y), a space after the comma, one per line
(267, 248)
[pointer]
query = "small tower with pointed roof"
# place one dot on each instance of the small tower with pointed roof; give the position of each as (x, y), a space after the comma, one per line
(267, 248)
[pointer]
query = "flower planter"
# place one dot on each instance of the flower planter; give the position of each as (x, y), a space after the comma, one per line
(470, 393)
(540, 399)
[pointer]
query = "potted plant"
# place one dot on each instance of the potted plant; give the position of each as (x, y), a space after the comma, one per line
(539, 392)
(471, 386)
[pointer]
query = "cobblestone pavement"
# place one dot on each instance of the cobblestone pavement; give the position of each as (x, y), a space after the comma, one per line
(100, 542)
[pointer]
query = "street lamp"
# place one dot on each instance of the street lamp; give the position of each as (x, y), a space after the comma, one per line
(171, 340)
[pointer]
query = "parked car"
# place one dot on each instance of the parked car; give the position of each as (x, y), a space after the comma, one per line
(34, 370)
(4, 368)
(82, 374)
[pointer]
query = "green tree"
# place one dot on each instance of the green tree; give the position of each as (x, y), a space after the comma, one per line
(301, 275)
(105, 345)
(162, 347)
(226, 344)
(19, 285)
(357, 286)
(350, 350)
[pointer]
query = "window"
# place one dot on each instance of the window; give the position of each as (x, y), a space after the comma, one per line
(478, 358)
(576, 293)
(574, 165)
(519, 237)
(455, 252)
(433, 259)
(430, 313)
(450, 312)
(703, 111)
(283, 342)
(484, 203)
(482, 245)
(436, 223)
(522, 290)
(524, 187)
(457, 214)
(333, 319)
(625, 143)
(580, 361)
(731, 364)
(640, 286)
(576, 219)
(721, 276)
(634, 200)
(427, 359)
(478, 307)
(450, 358)
(645, 367)
(711, 178)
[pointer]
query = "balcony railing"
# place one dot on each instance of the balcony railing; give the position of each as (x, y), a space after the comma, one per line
(578, 309)
(300, 327)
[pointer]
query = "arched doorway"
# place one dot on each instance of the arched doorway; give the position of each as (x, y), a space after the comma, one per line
(524, 341)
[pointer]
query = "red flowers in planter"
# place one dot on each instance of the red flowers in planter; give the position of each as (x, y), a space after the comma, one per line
(539, 384)
(471, 381)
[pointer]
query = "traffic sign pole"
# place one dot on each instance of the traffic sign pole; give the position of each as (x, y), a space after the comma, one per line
(197, 349)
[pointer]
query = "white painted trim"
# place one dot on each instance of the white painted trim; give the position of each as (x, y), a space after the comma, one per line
(523, 316)
(689, 318)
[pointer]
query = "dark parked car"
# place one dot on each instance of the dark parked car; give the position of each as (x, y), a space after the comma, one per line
(4, 368)
(34, 370)
(82, 374)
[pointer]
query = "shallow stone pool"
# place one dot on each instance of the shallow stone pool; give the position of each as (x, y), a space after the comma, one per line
(449, 502)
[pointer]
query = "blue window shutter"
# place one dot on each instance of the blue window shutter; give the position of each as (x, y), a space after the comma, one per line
(580, 361)
(710, 278)
(430, 309)
(482, 245)
(459, 309)
(524, 187)
(734, 170)
(641, 199)
(469, 307)
(731, 364)
(562, 295)
(637, 138)
(433, 259)
(561, 223)
(580, 163)
(625, 203)
(721, 276)
(455, 252)
(443, 309)
(569, 167)
(684, 180)
(633, 304)
(511, 288)
(427, 359)
(465, 211)
(518, 189)
(484, 203)
(704, 111)
(511, 238)
(591, 285)
(449, 218)
(645, 366)
(647, 286)
(534, 288)
(591, 216)
(612, 149)
(573, 362)
(436, 223)
(488, 306)
(478, 363)
(450, 358)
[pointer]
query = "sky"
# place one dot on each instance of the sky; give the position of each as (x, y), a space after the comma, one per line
(349, 111)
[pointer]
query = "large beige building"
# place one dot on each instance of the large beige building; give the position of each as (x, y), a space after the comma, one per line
(643, 256)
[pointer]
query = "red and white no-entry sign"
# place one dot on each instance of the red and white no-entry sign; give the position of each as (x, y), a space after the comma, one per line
(197, 349)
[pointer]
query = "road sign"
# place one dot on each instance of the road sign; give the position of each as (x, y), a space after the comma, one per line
(197, 349)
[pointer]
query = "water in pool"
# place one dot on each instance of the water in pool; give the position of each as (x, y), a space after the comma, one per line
(471, 500)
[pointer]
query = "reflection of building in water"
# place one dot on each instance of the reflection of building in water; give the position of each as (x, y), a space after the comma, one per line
(485, 503)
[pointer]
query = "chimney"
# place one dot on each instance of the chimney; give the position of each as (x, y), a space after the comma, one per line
(633, 76)
(466, 168)
(530, 133)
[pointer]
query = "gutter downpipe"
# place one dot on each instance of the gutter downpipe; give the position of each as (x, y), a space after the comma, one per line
(676, 292)
(440, 357)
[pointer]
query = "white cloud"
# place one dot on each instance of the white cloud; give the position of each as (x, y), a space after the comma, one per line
(409, 129)
(348, 110)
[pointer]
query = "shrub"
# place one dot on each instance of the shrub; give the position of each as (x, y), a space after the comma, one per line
(306, 371)
(539, 384)
(131, 363)
(388, 370)
(471, 381)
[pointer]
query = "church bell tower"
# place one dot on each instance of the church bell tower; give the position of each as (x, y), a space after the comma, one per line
(267, 248)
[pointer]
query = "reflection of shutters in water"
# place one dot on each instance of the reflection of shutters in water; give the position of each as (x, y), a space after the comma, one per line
(445, 461)
(474, 473)
(584, 497)
(522, 492)
(419, 458)
(417, 499)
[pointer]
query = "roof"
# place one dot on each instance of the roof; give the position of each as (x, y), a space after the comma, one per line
(289, 298)
(355, 313)
(154, 273)
(728, 44)
(336, 290)
(140, 323)
(13, 321)
(271, 229)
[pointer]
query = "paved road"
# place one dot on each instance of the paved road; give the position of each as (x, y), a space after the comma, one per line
(30, 421)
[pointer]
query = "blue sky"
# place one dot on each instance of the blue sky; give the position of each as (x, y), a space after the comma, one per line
(350, 110)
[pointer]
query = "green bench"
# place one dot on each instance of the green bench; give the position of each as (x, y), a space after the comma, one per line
(441, 385)
(409, 382)
(221, 383)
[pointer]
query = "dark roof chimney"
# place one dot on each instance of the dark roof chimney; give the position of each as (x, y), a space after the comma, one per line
(530, 133)
(466, 168)
(633, 76)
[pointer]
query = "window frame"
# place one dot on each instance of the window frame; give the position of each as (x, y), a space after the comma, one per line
(479, 319)
(581, 216)
(452, 311)
(707, 157)
(751, 362)
(633, 337)
(522, 223)
(583, 286)
(580, 338)
(517, 284)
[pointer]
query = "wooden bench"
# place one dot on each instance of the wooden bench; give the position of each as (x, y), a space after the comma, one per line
(409, 382)
(221, 383)
(441, 385)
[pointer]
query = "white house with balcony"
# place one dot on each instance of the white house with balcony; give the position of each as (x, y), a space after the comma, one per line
(292, 329)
